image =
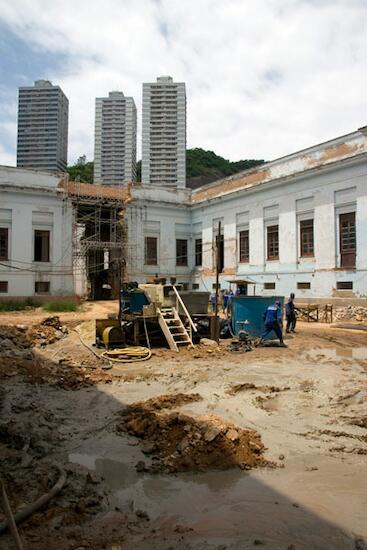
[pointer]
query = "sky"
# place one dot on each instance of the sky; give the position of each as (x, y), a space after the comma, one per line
(264, 78)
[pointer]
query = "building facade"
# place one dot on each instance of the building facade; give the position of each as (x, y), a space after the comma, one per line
(164, 133)
(35, 236)
(296, 224)
(115, 140)
(43, 113)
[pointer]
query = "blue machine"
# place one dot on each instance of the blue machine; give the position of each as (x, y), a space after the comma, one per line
(251, 309)
(132, 301)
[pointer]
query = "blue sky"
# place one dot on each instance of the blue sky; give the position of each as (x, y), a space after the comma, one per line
(263, 78)
(20, 62)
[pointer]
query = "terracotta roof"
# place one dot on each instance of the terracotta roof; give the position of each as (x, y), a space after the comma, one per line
(78, 189)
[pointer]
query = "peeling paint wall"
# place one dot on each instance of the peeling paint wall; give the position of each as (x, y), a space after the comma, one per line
(315, 157)
(282, 193)
(320, 197)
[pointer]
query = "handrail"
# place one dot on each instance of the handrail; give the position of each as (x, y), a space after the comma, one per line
(185, 309)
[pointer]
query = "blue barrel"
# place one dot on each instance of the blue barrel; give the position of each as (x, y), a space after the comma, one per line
(251, 309)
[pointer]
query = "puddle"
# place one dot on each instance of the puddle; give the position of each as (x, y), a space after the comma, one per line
(227, 505)
(338, 353)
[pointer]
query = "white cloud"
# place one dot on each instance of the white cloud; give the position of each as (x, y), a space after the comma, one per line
(263, 78)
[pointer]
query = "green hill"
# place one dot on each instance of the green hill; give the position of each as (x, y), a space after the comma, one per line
(205, 166)
(201, 167)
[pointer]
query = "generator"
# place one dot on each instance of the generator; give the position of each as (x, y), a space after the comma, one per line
(109, 334)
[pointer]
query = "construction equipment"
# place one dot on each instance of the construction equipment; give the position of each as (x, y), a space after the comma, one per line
(113, 337)
(109, 333)
(173, 328)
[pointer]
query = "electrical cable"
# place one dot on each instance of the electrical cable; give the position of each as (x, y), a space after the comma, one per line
(109, 366)
(70, 272)
(128, 355)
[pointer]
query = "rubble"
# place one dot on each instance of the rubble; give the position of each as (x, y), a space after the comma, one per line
(47, 332)
(349, 313)
(183, 443)
(19, 356)
(208, 342)
(15, 343)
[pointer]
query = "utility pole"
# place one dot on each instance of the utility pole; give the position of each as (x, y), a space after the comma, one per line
(215, 325)
(119, 270)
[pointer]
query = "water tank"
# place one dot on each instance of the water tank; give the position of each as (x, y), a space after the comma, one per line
(251, 309)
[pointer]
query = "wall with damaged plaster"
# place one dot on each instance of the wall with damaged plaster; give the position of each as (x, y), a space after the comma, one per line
(319, 183)
(161, 213)
(320, 197)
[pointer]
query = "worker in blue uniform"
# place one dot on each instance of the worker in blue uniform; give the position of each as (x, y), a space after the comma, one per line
(290, 314)
(273, 322)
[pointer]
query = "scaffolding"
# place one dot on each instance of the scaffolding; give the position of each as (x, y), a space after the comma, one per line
(99, 237)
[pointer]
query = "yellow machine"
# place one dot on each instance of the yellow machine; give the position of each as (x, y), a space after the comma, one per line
(109, 334)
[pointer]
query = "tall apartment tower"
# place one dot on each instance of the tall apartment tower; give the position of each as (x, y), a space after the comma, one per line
(164, 133)
(115, 140)
(43, 114)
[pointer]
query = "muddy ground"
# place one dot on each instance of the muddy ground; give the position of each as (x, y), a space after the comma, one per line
(197, 450)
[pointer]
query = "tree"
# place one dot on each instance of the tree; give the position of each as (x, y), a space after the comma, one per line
(205, 166)
(81, 172)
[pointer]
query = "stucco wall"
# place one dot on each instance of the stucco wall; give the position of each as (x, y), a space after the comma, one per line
(320, 193)
(22, 211)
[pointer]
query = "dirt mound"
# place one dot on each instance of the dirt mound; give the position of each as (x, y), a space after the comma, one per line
(232, 390)
(47, 332)
(38, 371)
(52, 322)
(179, 443)
(169, 401)
(18, 341)
(14, 342)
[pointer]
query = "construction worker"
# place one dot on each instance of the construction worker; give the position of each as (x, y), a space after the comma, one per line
(290, 314)
(273, 322)
(225, 300)
(213, 300)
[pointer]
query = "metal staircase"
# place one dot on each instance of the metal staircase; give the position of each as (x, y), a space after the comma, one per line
(173, 328)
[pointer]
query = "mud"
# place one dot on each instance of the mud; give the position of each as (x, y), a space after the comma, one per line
(304, 406)
(249, 386)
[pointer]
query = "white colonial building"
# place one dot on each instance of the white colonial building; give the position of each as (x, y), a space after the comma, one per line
(298, 223)
(35, 236)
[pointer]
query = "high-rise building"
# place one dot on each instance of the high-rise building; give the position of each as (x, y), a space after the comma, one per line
(43, 113)
(164, 133)
(115, 140)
